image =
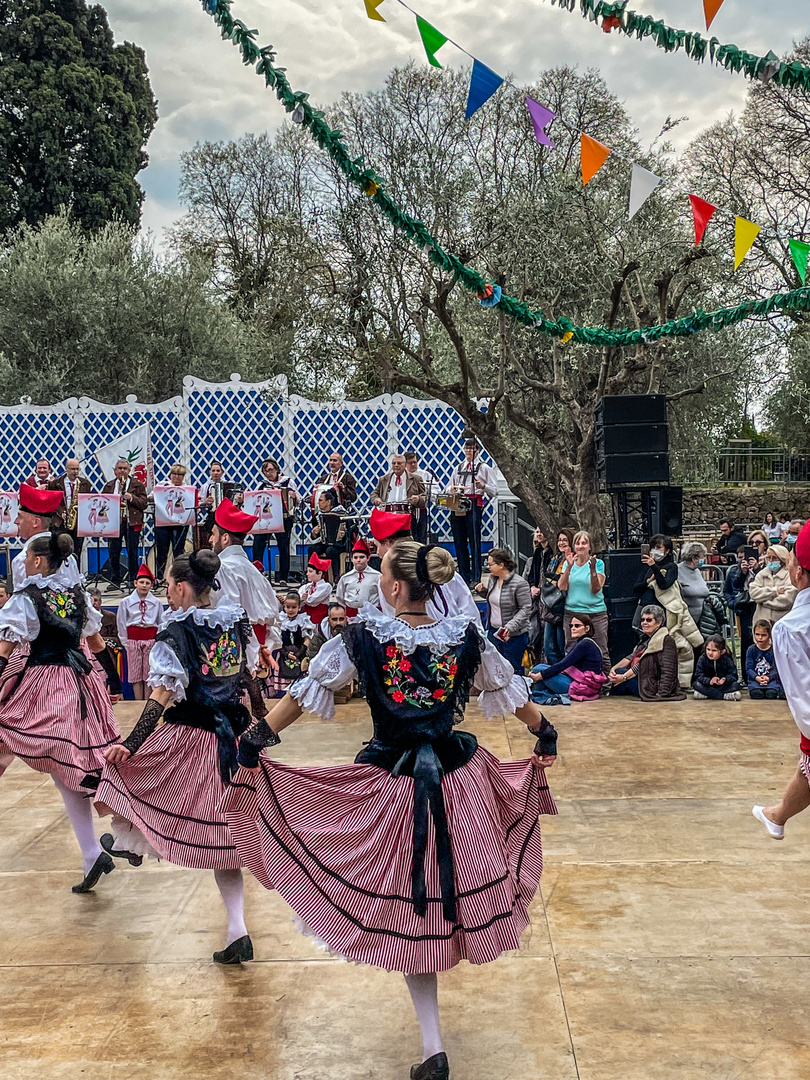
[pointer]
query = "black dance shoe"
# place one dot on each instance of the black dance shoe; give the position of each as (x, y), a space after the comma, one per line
(107, 840)
(236, 953)
(435, 1068)
(102, 865)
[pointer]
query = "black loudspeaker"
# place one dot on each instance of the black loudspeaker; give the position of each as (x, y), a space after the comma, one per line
(666, 511)
(631, 441)
(622, 568)
(622, 638)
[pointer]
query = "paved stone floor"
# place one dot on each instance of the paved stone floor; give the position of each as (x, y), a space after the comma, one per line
(670, 940)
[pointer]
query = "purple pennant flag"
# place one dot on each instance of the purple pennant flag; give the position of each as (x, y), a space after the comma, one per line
(541, 117)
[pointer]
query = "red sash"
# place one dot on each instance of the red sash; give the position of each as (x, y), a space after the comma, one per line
(804, 743)
(351, 612)
(316, 612)
(141, 633)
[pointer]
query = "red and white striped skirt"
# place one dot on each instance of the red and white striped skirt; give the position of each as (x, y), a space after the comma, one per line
(41, 722)
(337, 844)
(170, 791)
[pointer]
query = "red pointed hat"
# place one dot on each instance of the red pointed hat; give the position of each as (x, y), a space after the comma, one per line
(802, 546)
(320, 564)
(39, 501)
(361, 544)
(232, 520)
(144, 571)
(384, 525)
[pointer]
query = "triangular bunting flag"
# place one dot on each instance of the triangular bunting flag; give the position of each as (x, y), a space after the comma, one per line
(745, 233)
(702, 213)
(541, 117)
(710, 9)
(432, 39)
(371, 9)
(799, 252)
(593, 156)
(642, 184)
(483, 84)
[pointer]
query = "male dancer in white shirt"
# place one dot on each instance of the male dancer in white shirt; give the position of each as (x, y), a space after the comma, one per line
(791, 650)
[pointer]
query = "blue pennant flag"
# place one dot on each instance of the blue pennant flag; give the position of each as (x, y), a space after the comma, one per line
(483, 84)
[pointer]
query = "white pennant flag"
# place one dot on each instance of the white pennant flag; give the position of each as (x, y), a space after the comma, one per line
(642, 185)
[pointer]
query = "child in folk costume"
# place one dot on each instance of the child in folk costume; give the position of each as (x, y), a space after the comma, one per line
(296, 633)
(163, 784)
(138, 619)
(316, 592)
(360, 586)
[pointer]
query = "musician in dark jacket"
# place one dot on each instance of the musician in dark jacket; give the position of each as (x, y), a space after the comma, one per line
(66, 515)
(133, 504)
(339, 477)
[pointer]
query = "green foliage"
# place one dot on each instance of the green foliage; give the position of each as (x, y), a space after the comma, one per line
(75, 114)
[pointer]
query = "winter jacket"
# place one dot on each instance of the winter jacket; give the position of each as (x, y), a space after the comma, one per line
(663, 575)
(713, 617)
(763, 590)
(658, 670)
(735, 591)
(585, 685)
(761, 662)
(728, 546)
(722, 668)
(681, 627)
(516, 602)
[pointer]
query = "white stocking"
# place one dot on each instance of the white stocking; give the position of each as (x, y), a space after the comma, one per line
(425, 996)
(232, 890)
(79, 810)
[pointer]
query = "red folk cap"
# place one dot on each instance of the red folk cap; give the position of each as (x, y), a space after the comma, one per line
(39, 501)
(320, 564)
(144, 571)
(361, 545)
(384, 525)
(802, 546)
(232, 520)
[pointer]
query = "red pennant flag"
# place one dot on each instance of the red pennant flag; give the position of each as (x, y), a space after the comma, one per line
(702, 213)
(710, 9)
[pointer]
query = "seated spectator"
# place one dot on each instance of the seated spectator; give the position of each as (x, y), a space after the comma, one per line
(651, 671)
(335, 621)
(772, 527)
(694, 588)
(760, 665)
(759, 541)
(716, 673)
(582, 580)
(659, 579)
(658, 569)
(738, 598)
(553, 620)
(790, 530)
(509, 599)
(772, 590)
(731, 538)
(578, 675)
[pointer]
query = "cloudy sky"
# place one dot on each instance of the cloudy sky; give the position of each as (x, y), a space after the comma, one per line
(204, 92)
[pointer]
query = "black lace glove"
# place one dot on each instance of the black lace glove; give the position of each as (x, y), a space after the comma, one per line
(254, 691)
(254, 740)
(152, 712)
(546, 745)
(105, 659)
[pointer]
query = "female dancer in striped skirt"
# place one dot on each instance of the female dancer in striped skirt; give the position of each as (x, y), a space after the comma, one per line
(163, 785)
(56, 714)
(352, 849)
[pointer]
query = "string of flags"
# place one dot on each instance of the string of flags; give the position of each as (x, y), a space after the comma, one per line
(484, 83)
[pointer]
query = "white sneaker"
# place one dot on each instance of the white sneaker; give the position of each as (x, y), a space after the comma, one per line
(696, 694)
(776, 831)
(735, 695)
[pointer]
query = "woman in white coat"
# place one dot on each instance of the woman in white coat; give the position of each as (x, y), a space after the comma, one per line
(771, 590)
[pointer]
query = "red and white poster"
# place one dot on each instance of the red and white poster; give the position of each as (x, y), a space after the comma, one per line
(99, 515)
(266, 506)
(175, 505)
(9, 505)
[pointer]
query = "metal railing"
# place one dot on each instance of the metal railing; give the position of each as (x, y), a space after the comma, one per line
(742, 464)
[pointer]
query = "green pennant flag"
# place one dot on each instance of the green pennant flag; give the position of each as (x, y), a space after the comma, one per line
(799, 252)
(432, 39)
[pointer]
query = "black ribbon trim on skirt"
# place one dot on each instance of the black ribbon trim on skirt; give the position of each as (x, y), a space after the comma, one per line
(226, 721)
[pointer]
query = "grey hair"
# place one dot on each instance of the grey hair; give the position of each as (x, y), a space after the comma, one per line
(692, 548)
(656, 611)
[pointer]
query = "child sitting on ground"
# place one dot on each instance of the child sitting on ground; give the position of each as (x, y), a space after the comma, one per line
(760, 666)
(716, 673)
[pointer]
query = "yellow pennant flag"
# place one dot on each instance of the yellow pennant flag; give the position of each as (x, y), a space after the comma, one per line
(745, 233)
(371, 9)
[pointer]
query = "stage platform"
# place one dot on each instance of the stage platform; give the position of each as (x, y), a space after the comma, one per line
(669, 940)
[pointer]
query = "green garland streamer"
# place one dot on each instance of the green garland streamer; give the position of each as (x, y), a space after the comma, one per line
(696, 47)
(331, 140)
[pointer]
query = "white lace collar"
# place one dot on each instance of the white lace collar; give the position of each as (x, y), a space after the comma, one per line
(60, 579)
(436, 635)
(225, 615)
(301, 619)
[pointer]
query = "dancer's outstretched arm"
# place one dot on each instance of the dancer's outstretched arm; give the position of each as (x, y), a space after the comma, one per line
(147, 722)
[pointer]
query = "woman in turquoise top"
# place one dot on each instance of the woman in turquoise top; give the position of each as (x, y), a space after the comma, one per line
(582, 580)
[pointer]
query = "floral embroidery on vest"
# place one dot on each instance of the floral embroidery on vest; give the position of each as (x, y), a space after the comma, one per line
(401, 686)
(223, 656)
(61, 604)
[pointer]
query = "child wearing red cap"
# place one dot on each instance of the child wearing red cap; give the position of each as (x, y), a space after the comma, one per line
(360, 586)
(316, 592)
(138, 619)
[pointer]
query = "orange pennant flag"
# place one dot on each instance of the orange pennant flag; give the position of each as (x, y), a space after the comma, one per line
(593, 156)
(710, 9)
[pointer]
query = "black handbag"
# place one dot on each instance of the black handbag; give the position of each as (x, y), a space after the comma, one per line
(553, 598)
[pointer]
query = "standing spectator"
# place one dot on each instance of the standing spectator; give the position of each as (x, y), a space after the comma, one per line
(760, 665)
(738, 597)
(790, 530)
(694, 588)
(535, 571)
(772, 528)
(509, 599)
(731, 538)
(582, 580)
(552, 616)
(716, 673)
(759, 541)
(771, 590)
(659, 570)
(651, 671)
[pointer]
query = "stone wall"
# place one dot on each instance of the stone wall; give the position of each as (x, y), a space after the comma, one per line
(744, 504)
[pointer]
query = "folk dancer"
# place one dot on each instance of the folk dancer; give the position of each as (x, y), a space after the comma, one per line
(163, 784)
(273, 479)
(316, 591)
(56, 713)
(70, 484)
(138, 619)
(359, 586)
(133, 503)
(338, 476)
(352, 848)
(477, 482)
(420, 517)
